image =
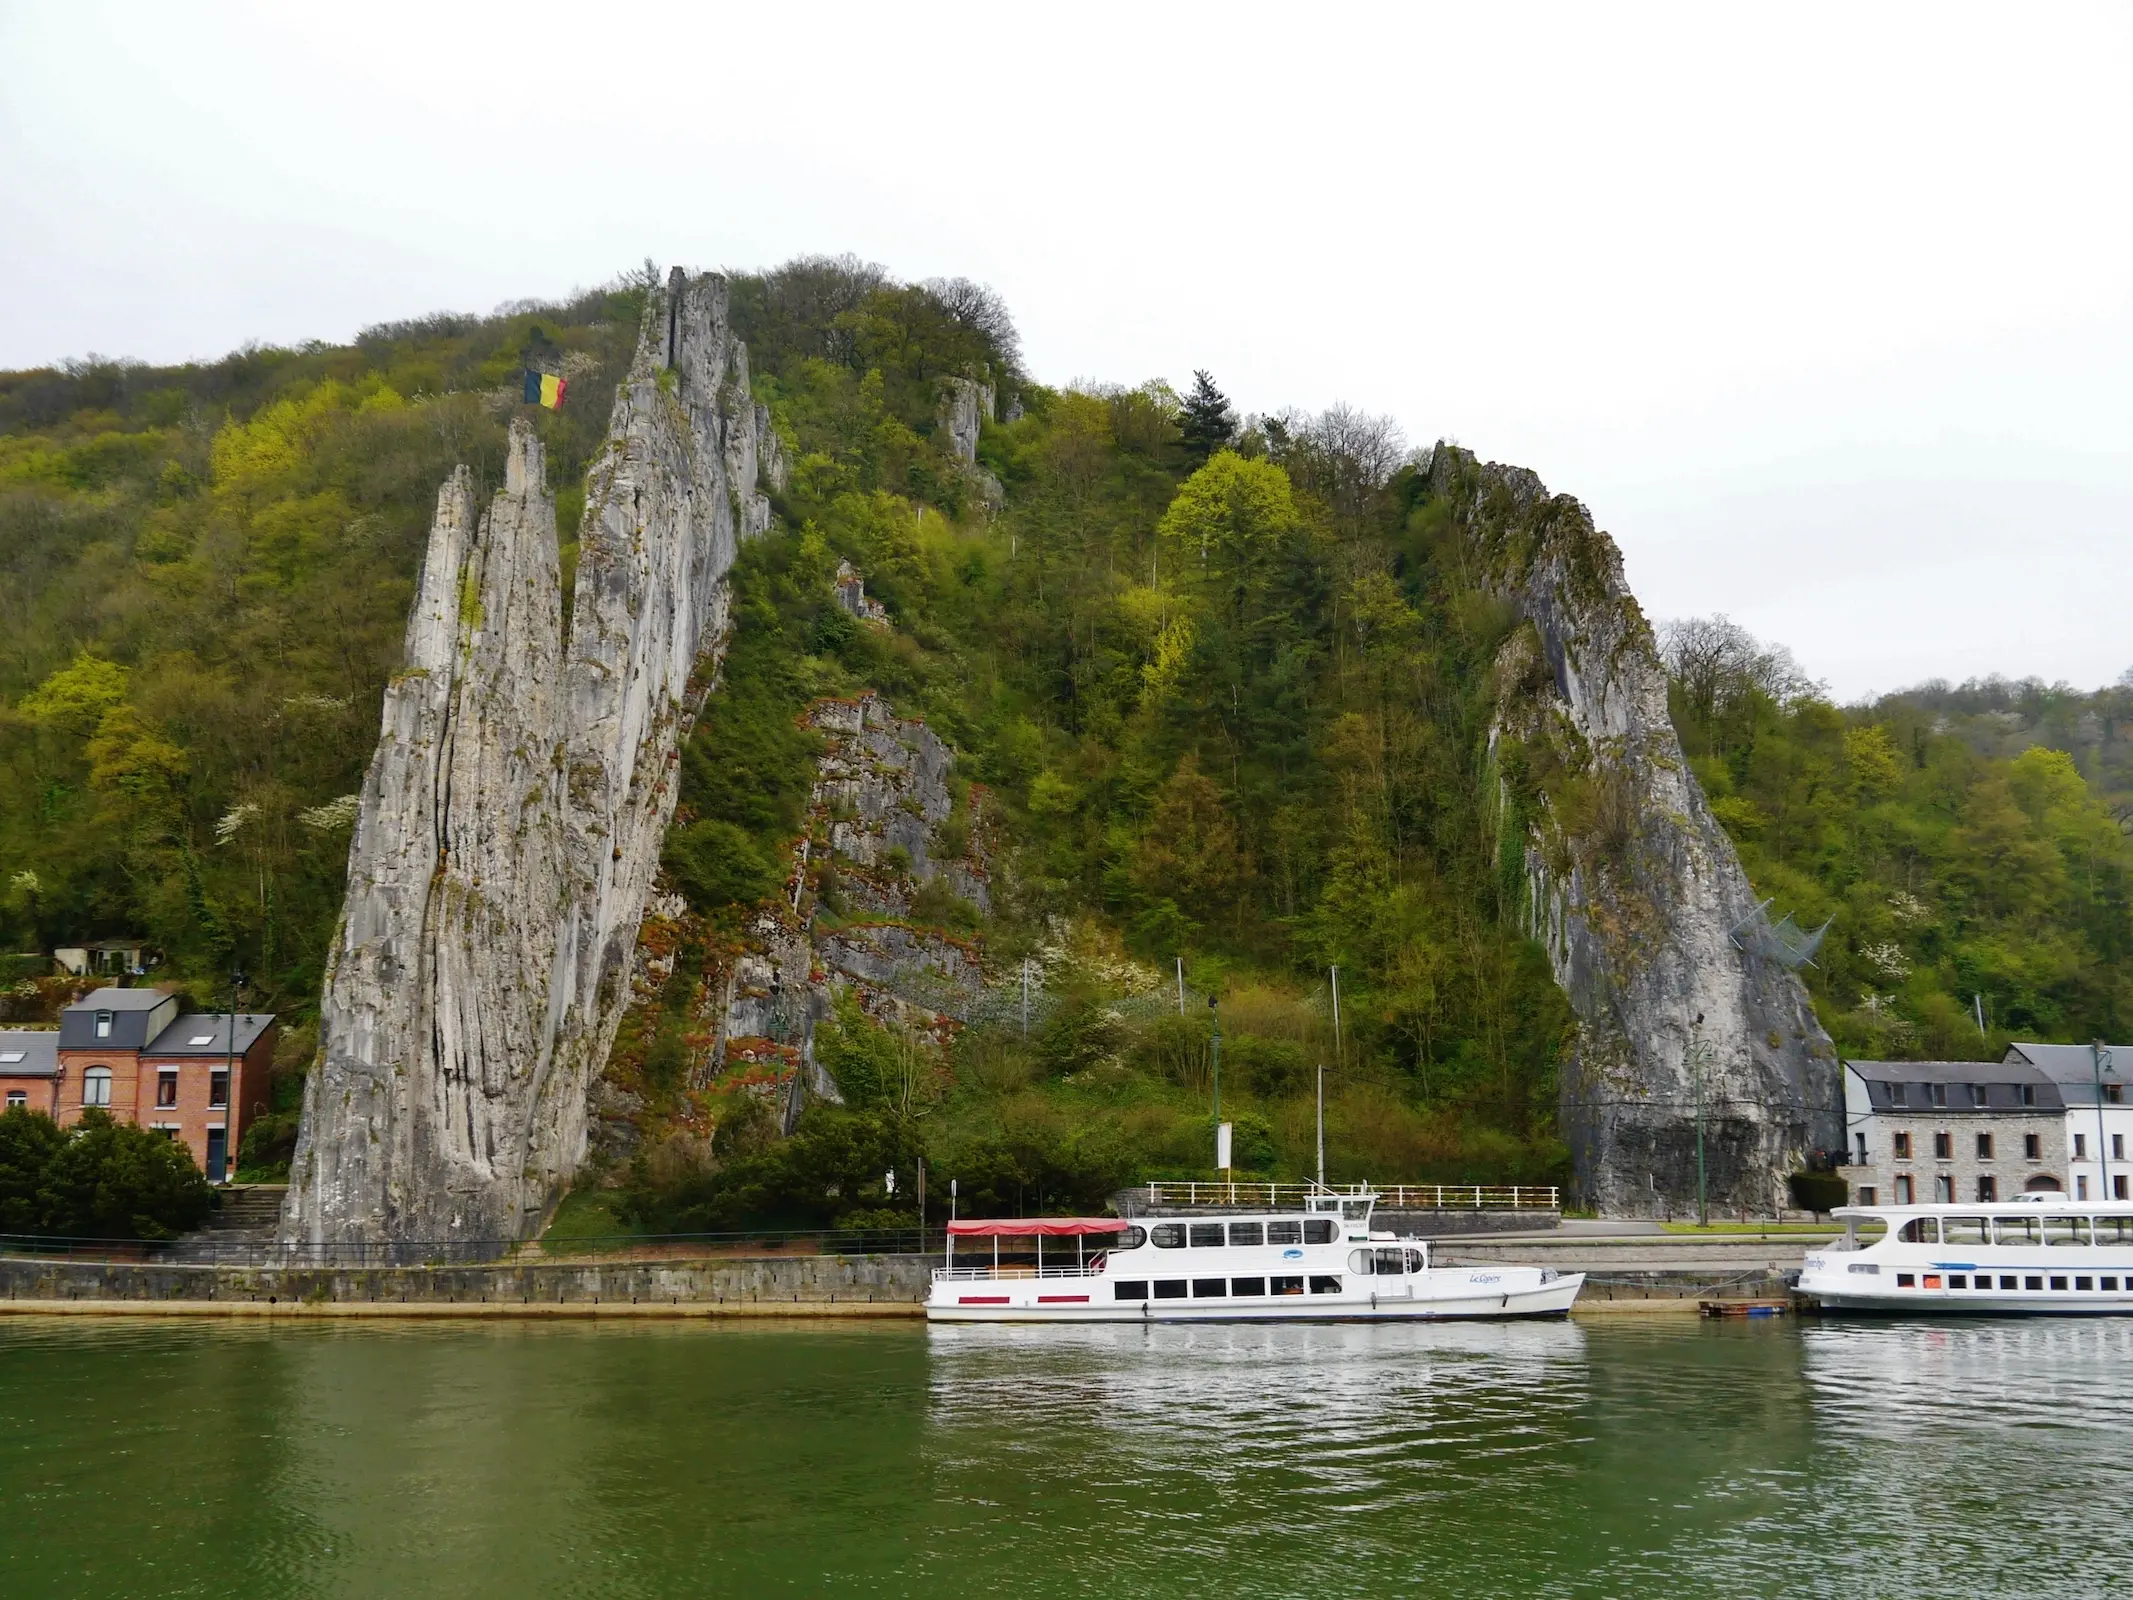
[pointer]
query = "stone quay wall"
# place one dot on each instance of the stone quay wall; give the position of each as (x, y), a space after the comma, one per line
(740, 1285)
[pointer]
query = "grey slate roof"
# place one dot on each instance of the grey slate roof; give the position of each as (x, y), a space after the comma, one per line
(208, 1034)
(39, 1048)
(2070, 1066)
(129, 1010)
(2002, 1081)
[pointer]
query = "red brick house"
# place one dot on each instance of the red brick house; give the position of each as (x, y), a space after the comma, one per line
(29, 1068)
(134, 1053)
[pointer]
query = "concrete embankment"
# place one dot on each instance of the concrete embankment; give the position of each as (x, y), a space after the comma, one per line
(1650, 1271)
(835, 1286)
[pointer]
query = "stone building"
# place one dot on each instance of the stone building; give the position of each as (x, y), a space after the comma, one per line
(2099, 1122)
(1943, 1132)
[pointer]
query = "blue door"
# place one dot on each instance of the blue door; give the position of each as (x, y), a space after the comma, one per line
(218, 1154)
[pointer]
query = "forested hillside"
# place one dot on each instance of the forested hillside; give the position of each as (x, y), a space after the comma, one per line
(1222, 686)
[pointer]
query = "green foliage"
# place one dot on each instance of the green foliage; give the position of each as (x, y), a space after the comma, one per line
(1960, 879)
(100, 1179)
(1819, 1191)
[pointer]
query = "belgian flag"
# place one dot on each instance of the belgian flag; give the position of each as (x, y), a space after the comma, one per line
(544, 389)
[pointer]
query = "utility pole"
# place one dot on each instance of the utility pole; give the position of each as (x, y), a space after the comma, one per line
(1321, 1124)
(1336, 972)
(1216, 1017)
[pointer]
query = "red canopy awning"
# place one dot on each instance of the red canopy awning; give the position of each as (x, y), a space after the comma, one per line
(1023, 1227)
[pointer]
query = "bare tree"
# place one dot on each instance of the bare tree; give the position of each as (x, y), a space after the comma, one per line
(978, 306)
(1717, 663)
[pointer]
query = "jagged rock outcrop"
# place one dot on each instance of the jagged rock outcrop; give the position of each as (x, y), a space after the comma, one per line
(1634, 887)
(513, 814)
(966, 406)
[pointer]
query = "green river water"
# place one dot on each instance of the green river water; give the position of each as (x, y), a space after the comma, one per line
(218, 1458)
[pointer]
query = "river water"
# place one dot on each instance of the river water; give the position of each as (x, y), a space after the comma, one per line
(1602, 1458)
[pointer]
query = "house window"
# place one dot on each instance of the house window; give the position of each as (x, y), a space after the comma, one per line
(218, 1088)
(103, 1024)
(2081, 1147)
(2118, 1147)
(1984, 1147)
(1867, 1194)
(2114, 1094)
(1903, 1190)
(1988, 1188)
(1977, 1096)
(167, 1087)
(18, 1097)
(2033, 1147)
(1862, 1149)
(1898, 1095)
(1944, 1190)
(1943, 1146)
(1903, 1147)
(2081, 1187)
(1939, 1092)
(2118, 1186)
(2029, 1094)
(96, 1087)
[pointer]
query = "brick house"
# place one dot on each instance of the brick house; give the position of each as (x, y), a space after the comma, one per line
(134, 1053)
(29, 1068)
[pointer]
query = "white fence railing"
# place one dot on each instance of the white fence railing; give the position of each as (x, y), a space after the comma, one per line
(1390, 1196)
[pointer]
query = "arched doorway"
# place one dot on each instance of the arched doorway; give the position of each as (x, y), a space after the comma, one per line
(2042, 1183)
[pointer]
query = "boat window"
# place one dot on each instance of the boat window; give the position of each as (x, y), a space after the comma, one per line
(1359, 1262)
(2007, 1282)
(2110, 1284)
(2015, 1230)
(1247, 1233)
(1392, 1260)
(1325, 1284)
(1356, 1210)
(1131, 1238)
(1284, 1233)
(1169, 1288)
(1206, 1235)
(2084, 1283)
(1416, 1261)
(1965, 1230)
(1285, 1286)
(1168, 1235)
(2114, 1230)
(1247, 1286)
(1130, 1289)
(2066, 1230)
(2032, 1283)
(1921, 1230)
(1318, 1230)
(1209, 1288)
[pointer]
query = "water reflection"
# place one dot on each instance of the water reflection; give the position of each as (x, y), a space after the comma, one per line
(1515, 1459)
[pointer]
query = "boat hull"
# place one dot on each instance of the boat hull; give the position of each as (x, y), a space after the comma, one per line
(1462, 1297)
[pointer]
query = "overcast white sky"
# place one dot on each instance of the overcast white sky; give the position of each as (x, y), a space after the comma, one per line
(1827, 312)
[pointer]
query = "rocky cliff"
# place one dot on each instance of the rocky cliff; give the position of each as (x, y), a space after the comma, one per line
(512, 817)
(1632, 885)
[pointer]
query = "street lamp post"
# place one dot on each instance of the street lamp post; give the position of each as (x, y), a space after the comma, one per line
(229, 1073)
(1699, 1053)
(2099, 1065)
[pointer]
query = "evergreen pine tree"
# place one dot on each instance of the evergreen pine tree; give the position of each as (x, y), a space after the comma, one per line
(1207, 423)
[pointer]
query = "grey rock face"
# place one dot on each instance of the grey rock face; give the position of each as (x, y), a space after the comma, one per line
(966, 405)
(1634, 887)
(513, 814)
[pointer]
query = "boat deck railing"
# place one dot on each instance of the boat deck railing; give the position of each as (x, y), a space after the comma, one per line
(1389, 1196)
(992, 1274)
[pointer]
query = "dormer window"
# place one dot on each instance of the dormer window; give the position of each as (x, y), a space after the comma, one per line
(1939, 1092)
(2029, 1094)
(1897, 1095)
(103, 1024)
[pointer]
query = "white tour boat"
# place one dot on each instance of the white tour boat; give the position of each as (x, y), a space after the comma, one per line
(1324, 1264)
(2041, 1255)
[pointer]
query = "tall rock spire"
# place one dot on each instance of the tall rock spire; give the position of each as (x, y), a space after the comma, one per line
(1633, 886)
(512, 817)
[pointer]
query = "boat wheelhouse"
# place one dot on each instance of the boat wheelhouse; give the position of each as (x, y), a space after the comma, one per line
(2046, 1256)
(1322, 1264)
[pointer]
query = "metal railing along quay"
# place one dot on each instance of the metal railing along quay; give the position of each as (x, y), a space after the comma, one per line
(1390, 1196)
